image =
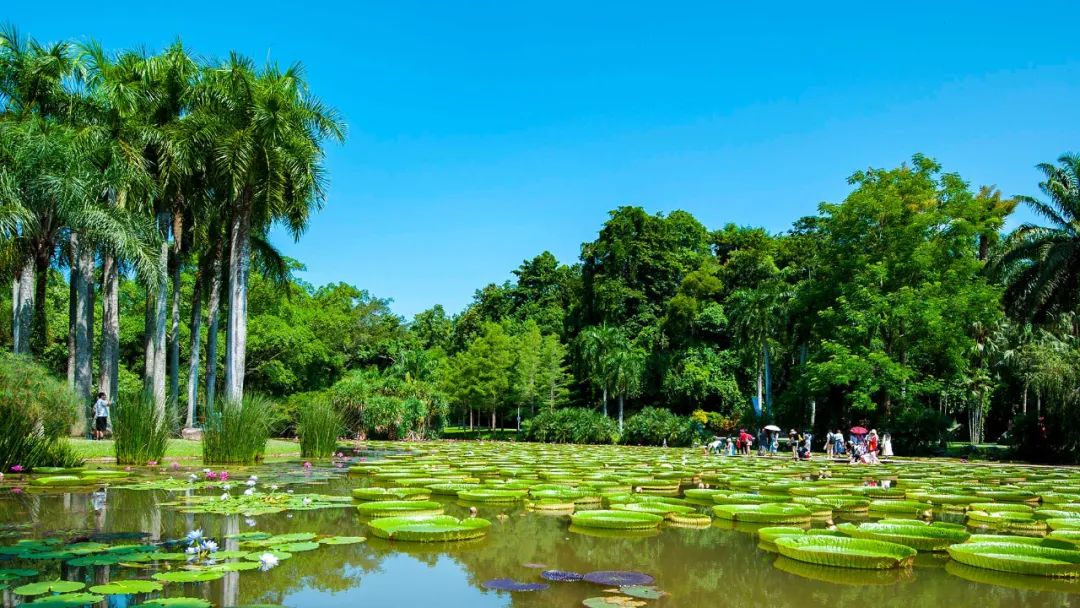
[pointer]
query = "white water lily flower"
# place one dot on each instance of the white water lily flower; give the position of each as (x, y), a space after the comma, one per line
(267, 561)
(306, 501)
(251, 483)
(192, 477)
(250, 522)
(191, 550)
(206, 470)
(249, 491)
(225, 496)
(253, 478)
(226, 487)
(195, 535)
(209, 545)
(273, 487)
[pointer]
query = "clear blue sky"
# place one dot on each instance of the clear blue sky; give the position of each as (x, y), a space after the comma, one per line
(482, 133)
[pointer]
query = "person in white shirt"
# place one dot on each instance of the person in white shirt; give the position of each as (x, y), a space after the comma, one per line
(101, 416)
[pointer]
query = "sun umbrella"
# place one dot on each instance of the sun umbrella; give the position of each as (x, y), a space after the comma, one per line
(858, 430)
(772, 427)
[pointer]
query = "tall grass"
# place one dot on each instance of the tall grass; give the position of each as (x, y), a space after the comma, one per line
(140, 429)
(237, 431)
(36, 414)
(318, 425)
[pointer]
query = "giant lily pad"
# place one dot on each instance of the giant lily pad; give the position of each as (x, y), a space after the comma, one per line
(428, 528)
(55, 586)
(175, 602)
(506, 584)
(845, 552)
(66, 600)
(619, 578)
(619, 520)
(188, 576)
(126, 587)
(1018, 558)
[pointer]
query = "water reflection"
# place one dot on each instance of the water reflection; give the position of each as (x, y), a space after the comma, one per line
(715, 566)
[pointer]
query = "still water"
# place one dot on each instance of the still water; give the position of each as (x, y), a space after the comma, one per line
(712, 567)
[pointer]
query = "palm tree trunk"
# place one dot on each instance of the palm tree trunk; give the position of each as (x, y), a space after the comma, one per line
(605, 402)
(196, 343)
(213, 307)
(174, 336)
(39, 331)
(174, 326)
(84, 323)
(493, 419)
(760, 388)
(73, 297)
(156, 317)
(620, 412)
(23, 307)
(1025, 397)
(110, 328)
(236, 326)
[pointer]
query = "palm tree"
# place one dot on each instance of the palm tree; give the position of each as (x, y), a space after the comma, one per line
(756, 314)
(1040, 265)
(595, 344)
(267, 133)
(627, 368)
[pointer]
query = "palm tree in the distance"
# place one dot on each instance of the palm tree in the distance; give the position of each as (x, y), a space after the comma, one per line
(1040, 265)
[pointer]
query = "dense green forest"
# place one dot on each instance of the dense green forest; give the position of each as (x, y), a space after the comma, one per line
(137, 193)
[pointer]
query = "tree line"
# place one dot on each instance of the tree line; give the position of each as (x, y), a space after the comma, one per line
(139, 189)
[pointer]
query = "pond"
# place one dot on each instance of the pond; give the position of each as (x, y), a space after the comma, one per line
(720, 563)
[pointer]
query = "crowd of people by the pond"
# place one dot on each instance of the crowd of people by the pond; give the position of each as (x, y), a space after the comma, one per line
(859, 446)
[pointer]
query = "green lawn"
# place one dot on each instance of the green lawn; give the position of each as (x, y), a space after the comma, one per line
(178, 448)
(457, 432)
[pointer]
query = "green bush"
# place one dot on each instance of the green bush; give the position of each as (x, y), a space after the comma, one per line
(36, 415)
(140, 429)
(289, 410)
(318, 426)
(237, 431)
(654, 426)
(570, 425)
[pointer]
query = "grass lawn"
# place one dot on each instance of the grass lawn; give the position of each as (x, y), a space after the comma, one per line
(178, 448)
(457, 432)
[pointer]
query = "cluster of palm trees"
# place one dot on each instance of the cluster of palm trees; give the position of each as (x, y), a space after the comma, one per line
(142, 165)
(616, 366)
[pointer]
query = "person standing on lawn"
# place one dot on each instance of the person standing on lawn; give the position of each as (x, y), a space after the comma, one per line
(101, 416)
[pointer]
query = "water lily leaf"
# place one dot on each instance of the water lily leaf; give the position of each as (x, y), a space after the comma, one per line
(175, 602)
(188, 576)
(7, 574)
(619, 578)
(111, 559)
(249, 536)
(296, 547)
(342, 540)
(561, 576)
(220, 555)
(126, 587)
(612, 602)
(234, 566)
(642, 591)
(163, 556)
(280, 539)
(280, 555)
(66, 600)
(506, 584)
(40, 587)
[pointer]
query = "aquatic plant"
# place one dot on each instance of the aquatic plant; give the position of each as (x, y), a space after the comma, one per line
(140, 428)
(617, 520)
(318, 426)
(36, 415)
(845, 552)
(932, 537)
(428, 528)
(1018, 558)
(237, 431)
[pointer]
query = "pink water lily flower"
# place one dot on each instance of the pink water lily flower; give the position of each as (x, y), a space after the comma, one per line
(224, 475)
(307, 465)
(151, 463)
(18, 468)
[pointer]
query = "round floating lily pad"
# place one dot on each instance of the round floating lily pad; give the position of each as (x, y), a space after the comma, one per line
(391, 508)
(7, 574)
(619, 578)
(618, 520)
(188, 576)
(430, 528)
(280, 555)
(126, 587)
(846, 552)
(175, 602)
(507, 584)
(297, 547)
(66, 600)
(612, 601)
(642, 591)
(342, 540)
(41, 587)
(561, 576)
(280, 539)
(234, 566)
(249, 536)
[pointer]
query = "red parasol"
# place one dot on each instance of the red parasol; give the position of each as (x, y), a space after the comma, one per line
(858, 430)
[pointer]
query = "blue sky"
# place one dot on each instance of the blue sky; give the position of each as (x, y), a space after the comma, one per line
(482, 133)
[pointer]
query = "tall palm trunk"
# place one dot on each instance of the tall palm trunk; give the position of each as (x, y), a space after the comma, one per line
(213, 308)
(73, 297)
(621, 399)
(23, 309)
(196, 343)
(605, 402)
(39, 330)
(110, 327)
(236, 326)
(174, 326)
(84, 322)
(156, 316)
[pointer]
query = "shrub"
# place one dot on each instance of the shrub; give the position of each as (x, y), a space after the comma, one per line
(1047, 438)
(237, 431)
(571, 425)
(36, 414)
(318, 426)
(655, 426)
(289, 410)
(140, 429)
(715, 422)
